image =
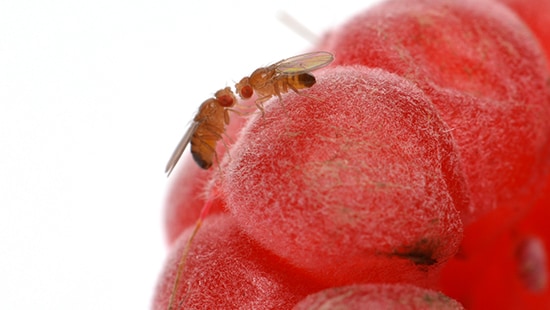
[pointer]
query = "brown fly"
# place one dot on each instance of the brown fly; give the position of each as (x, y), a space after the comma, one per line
(213, 116)
(206, 130)
(288, 74)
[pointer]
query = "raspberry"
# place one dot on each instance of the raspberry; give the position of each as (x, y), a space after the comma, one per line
(358, 173)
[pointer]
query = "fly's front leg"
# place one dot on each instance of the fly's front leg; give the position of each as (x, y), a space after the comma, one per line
(260, 104)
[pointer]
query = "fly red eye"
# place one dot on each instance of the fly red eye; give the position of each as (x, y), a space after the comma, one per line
(246, 92)
(225, 97)
(226, 101)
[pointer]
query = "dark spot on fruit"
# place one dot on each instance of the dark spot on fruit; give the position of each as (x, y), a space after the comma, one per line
(418, 258)
(422, 253)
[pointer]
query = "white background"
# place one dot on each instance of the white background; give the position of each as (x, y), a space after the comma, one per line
(94, 96)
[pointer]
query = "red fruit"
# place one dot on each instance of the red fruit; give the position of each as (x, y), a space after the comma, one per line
(378, 296)
(225, 269)
(536, 14)
(485, 74)
(356, 182)
(508, 272)
(191, 187)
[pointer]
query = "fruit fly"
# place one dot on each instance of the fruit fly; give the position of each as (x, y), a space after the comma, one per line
(209, 124)
(206, 130)
(288, 74)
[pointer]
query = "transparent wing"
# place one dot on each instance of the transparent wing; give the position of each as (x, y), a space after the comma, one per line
(180, 148)
(304, 63)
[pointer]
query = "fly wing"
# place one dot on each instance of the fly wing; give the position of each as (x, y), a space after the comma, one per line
(180, 148)
(304, 63)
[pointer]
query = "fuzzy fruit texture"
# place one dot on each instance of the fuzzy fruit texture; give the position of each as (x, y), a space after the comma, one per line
(378, 296)
(536, 14)
(359, 173)
(226, 269)
(484, 72)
